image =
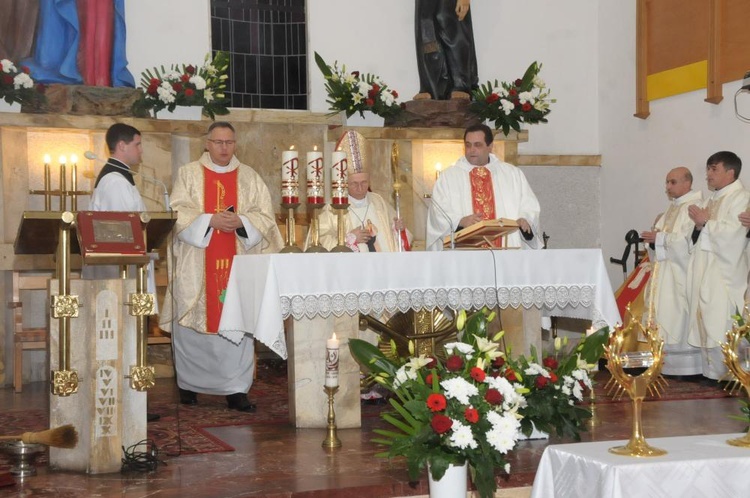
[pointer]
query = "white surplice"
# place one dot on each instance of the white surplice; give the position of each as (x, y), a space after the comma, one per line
(451, 201)
(717, 275)
(667, 292)
(208, 363)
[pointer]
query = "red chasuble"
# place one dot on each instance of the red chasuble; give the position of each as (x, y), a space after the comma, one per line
(220, 193)
(483, 196)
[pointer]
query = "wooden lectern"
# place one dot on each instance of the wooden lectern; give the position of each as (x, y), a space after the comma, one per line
(482, 235)
(99, 375)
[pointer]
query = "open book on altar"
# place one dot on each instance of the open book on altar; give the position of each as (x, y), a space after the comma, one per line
(483, 234)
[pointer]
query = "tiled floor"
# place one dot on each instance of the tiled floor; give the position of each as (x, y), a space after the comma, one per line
(281, 461)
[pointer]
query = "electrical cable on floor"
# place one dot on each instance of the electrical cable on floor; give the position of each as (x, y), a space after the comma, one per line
(141, 461)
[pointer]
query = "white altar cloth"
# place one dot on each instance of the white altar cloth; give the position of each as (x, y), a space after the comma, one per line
(263, 290)
(695, 466)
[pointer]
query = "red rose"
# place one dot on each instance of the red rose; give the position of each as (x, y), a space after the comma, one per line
(369, 102)
(493, 397)
(429, 379)
(25, 69)
(177, 87)
(526, 107)
(512, 92)
(376, 88)
(498, 362)
(432, 364)
(185, 78)
(190, 69)
(552, 377)
(495, 374)
(493, 97)
(454, 363)
(518, 82)
(471, 415)
(7, 79)
(395, 94)
(189, 92)
(540, 382)
(550, 362)
(510, 375)
(441, 423)
(477, 374)
(154, 81)
(436, 402)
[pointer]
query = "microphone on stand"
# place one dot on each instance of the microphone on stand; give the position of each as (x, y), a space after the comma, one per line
(93, 157)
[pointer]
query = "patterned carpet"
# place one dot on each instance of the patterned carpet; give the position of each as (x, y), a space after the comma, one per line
(181, 429)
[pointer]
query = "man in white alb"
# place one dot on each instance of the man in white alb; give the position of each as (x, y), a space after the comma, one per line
(667, 292)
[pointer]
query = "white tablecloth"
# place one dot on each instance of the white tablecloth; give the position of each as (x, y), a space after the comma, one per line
(264, 290)
(695, 466)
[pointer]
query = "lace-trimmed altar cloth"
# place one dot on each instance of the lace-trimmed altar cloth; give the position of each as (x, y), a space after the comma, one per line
(264, 290)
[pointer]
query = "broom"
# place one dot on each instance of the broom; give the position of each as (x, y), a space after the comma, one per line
(65, 436)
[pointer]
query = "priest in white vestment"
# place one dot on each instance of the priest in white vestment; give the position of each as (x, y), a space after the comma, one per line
(371, 224)
(667, 292)
(223, 209)
(717, 276)
(480, 187)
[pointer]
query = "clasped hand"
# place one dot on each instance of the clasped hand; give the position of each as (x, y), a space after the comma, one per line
(698, 215)
(362, 235)
(225, 221)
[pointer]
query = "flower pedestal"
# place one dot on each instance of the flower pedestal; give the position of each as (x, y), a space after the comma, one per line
(6, 107)
(369, 119)
(452, 484)
(181, 112)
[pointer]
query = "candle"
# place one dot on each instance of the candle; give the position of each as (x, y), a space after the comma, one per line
(74, 183)
(339, 187)
(315, 176)
(290, 176)
(332, 362)
(47, 183)
(63, 201)
(438, 170)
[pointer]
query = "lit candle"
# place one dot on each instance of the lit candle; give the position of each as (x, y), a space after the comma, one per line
(315, 176)
(47, 183)
(74, 183)
(332, 362)
(290, 176)
(339, 187)
(438, 170)
(63, 201)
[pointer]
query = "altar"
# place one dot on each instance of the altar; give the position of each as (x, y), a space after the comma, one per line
(321, 293)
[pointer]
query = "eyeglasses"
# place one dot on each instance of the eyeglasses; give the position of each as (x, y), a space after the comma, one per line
(222, 142)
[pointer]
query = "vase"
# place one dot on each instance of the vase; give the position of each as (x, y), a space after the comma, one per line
(369, 119)
(182, 113)
(452, 484)
(6, 107)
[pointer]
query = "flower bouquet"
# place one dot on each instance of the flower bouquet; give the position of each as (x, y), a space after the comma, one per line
(186, 85)
(470, 406)
(526, 100)
(354, 92)
(17, 85)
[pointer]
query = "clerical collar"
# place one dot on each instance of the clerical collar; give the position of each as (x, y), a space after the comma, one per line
(118, 163)
(358, 203)
(725, 188)
(217, 168)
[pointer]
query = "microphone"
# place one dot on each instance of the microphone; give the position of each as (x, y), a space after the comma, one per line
(450, 223)
(93, 157)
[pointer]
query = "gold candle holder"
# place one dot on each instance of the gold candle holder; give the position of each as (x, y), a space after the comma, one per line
(341, 211)
(331, 441)
(636, 386)
(734, 364)
(291, 236)
(315, 245)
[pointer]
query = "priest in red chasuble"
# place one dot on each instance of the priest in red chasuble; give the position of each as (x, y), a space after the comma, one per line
(223, 208)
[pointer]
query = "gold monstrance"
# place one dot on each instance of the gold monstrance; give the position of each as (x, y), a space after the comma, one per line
(734, 364)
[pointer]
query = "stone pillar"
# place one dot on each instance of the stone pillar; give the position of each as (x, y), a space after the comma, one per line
(107, 413)
(308, 402)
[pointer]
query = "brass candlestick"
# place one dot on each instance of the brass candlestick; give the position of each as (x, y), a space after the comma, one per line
(734, 364)
(341, 211)
(331, 441)
(291, 237)
(315, 245)
(636, 386)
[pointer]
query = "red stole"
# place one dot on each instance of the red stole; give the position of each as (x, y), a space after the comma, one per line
(219, 193)
(483, 196)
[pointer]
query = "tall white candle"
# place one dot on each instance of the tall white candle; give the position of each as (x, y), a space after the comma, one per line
(315, 177)
(290, 176)
(332, 362)
(339, 175)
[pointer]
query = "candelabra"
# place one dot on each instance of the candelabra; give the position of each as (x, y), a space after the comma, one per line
(332, 440)
(62, 192)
